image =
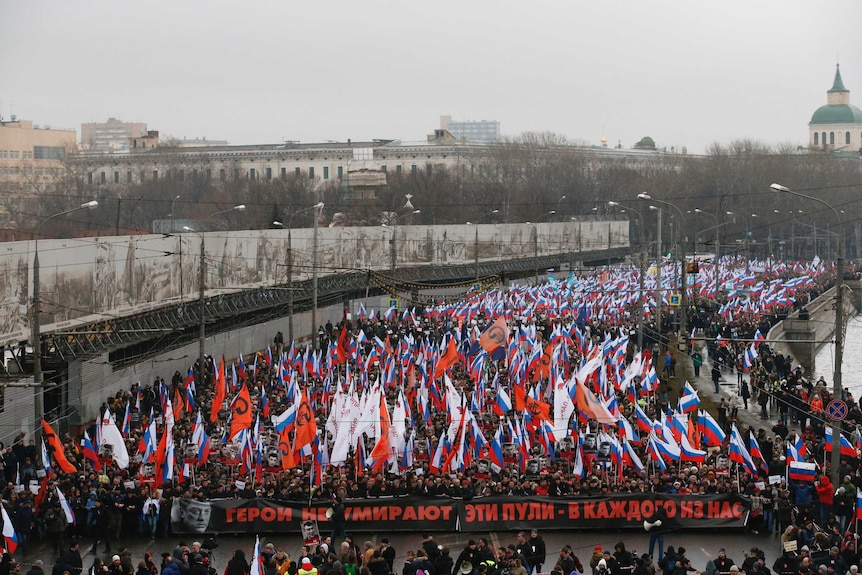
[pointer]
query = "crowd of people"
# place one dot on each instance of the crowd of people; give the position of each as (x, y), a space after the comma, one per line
(111, 504)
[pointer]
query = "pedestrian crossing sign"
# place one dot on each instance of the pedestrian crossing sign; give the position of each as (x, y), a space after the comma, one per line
(393, 303)
(675, 299)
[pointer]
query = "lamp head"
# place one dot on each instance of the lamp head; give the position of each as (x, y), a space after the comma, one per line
(778, 188)
(698, 210)
(90, 205)
(239, 208)
(552, 212)
(277, 223)
(562, 198)
(644, 196)
(653, 208)
(498, 211)
(187, 229)
(417, 211)
(613, 203)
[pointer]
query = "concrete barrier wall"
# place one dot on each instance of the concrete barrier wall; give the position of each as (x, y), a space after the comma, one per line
(124, 274)
(813, 333)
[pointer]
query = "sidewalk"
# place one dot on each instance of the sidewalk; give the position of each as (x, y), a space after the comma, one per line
(727, 385)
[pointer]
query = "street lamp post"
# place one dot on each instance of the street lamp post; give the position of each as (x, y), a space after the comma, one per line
(683, 328)
(174, 201)
(317, 212)
(35, 326)
(641, 274)
(658, 278)
(393, 251)
(717, 227)
(202, 270)
(289, 227)
(837, 389)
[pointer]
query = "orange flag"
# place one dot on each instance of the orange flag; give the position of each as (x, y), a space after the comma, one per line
(287, 460)
(306, 426)
(380, 453)
(448, 359)
(241, 409)
(179, 404)
(220, 392)
(543, 370)
(538, 409)
(56, 447)
(495, 335)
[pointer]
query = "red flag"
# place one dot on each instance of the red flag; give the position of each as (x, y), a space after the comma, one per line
(341, 352)
(57, 449)
(380, 453)
(537, 409)
(220, 392)
(287, 460)
(241, 409)
(447, 360)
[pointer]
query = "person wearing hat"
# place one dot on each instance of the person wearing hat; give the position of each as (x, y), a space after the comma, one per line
(754, 555)
(720, 565)
(835, 560)
(467, 555)
(388, 552)
(597, 556)
(536, 552)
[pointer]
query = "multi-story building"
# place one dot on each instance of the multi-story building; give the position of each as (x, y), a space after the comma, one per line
(837, 126)
(30, 158)
(481, 132)
(110, 136)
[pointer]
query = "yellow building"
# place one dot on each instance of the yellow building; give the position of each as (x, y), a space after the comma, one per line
(30, 158)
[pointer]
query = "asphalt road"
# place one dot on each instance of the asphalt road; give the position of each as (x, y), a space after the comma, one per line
(701, 545)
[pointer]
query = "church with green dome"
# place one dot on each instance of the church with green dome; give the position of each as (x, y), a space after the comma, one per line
(837, 126)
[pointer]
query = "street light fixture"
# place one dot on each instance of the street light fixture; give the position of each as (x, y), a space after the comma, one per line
(641, 273)
(683, 333)
(290, 264)
(35, 326)
(837, 389)
(173, 229)
(202, 270)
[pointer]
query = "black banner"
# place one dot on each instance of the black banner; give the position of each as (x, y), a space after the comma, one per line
(499, 513)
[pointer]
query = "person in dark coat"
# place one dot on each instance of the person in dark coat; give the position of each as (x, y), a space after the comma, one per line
(70, 560)
(237, 565)
(468, 555)
(536, 552)
(38, 568)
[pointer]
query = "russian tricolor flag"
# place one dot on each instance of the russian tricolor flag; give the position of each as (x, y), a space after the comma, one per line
(858, 505)
(503, 403)
(711, 431)
(285, 420)
(689, 400)
(70, 515)
(845, 446)
(802, 471)
(9, 532)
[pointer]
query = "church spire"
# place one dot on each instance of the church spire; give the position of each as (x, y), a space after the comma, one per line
(838, 84)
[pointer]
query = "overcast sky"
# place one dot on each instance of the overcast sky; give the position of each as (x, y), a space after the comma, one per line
(686, 73)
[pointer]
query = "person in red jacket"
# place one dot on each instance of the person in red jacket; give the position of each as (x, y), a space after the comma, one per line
(825, 491)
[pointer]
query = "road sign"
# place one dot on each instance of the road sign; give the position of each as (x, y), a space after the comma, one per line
(836, 410)
(675, 299)
(393, 302)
